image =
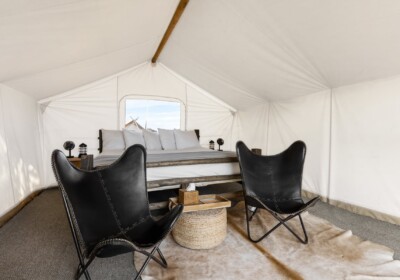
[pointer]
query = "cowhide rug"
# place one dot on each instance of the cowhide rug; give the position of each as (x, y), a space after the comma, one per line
(332, 253)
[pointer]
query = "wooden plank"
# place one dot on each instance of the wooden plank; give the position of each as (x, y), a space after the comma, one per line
(177, 15)
(238, 195)
(178, 181)
(191, 162)
(75, 161)
(10, 214)
(207, 202)
(235, 196)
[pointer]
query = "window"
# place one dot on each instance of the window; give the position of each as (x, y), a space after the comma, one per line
(152, 114)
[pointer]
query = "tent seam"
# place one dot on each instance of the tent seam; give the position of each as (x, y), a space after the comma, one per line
(328, 197)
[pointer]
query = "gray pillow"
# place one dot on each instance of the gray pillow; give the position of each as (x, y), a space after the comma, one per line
(112, 140)
(186, 139)
(152, 140)
(167, 138)
(132, 137)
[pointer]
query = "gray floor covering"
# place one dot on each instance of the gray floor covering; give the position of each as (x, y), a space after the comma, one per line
(37, 243)
(365, 227)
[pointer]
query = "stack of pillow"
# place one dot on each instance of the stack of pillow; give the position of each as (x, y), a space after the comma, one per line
(165, 139)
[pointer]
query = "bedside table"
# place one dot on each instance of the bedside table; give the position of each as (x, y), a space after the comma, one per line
(75, 161)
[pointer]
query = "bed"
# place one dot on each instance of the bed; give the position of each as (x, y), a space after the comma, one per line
(168, 169)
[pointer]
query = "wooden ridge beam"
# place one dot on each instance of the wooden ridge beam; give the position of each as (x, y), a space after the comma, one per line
(177, 15)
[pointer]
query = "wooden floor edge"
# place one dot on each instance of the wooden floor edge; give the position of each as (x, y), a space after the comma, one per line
(356, 209)
(15, 210)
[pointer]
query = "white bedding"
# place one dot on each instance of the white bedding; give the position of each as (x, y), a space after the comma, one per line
(180, 171)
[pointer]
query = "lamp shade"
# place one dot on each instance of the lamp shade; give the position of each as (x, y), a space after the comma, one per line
(69, 146)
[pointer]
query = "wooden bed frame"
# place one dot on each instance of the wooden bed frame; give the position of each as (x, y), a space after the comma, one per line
(165, 183)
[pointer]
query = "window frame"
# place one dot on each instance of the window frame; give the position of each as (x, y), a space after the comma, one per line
(122, 107)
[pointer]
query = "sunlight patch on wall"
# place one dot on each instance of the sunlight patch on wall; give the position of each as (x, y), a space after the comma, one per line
(26, 179)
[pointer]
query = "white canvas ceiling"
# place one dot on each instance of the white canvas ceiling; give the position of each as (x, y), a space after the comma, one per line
(243, 52)
(51, 46)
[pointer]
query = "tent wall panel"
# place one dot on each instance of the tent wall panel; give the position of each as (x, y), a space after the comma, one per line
(151, 80)
(78, 117)
(148, 81)
(6, 189)
(19, 146)
(213, 120)
(308, 119)
(365, 145)
(200, 111)
(252, 126)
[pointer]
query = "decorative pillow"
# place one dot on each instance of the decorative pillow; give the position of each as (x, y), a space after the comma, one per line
(186, 139)
(152, 140)
(167, 138)
(112, 140)
(133, 137)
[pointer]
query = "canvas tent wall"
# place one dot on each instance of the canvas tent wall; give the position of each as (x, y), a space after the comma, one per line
(20, 148)
(271, 72)
(79, 114)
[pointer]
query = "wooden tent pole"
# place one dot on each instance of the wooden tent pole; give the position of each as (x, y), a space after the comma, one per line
(178, 12)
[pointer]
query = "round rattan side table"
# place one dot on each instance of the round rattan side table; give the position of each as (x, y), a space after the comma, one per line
(201, 229)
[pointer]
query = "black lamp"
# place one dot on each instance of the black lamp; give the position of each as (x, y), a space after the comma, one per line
(220, 142)
(69, 146)
(82, 150)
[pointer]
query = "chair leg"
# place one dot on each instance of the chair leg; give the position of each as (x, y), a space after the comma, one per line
(162, 258)
(305, 240)
(252, 215)
(265, 235)
(280, 222)
(248, 219)
(150, 256)
(134, 266)
(161, 261)
(82, 269)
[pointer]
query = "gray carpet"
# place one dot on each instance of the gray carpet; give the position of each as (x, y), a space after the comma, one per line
(37, 243)
(365, 227)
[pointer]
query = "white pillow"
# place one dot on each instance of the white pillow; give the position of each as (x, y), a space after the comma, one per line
(167, 138)
(133, 137)
(112, 140)
(186, 139)
(152, 140)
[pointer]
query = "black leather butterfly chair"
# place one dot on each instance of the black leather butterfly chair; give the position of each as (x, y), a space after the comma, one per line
(273, 183)
(108, 209)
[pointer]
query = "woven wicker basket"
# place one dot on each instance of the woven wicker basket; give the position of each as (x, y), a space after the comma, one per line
(201, 229)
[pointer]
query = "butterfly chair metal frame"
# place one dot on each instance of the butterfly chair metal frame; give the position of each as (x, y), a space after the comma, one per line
(273, 183)
(120, 186)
